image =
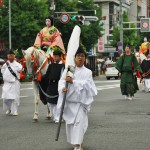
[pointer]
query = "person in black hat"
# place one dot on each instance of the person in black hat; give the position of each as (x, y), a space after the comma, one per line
(11, 55)
(49, 36)
(52, 77)
(11, 88)
(127, 65)
(79, 98)
(145, 65)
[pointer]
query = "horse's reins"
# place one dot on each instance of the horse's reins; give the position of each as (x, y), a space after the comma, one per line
(49, 96)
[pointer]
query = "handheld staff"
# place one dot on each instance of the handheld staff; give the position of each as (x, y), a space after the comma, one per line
(73, 46)
(61, 114)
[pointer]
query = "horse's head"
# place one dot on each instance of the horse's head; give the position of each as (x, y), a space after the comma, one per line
(30, 61)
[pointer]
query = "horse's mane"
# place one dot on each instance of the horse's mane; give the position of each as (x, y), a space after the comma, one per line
(34, 51)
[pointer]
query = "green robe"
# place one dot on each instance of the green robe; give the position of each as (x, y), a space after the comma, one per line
(125, 66)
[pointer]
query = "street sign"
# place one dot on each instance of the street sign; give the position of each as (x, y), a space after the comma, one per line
(145, 25)
(101, 44)
(91, 18)
(120, 48)
(90, 53)
(111, 54)
(120, 51)
(64, 18)
(87, 12)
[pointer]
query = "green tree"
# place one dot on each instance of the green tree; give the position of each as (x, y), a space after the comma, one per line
(89, 34)
(129, 36)
(26, 19)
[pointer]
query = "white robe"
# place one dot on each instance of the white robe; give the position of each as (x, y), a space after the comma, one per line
(147, 85)
(11, 87)
(78, 100)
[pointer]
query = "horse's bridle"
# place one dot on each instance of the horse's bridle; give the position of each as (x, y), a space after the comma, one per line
(35, 66)
(35, 73)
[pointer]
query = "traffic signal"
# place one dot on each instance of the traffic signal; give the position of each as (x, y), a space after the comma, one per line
(79, 18)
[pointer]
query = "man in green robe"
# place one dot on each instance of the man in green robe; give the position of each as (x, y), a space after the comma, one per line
(127, 65)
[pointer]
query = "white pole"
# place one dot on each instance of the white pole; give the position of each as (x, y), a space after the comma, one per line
(10, 24)
(52, 8)
(121, 23)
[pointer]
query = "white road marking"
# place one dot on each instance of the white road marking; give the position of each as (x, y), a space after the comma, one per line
(106, 87)
(111, 81)
(26, 89)
(23, 96)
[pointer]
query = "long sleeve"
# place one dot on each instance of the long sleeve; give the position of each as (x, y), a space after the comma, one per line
(82, 87)
(18, 67)
(7, 75)
(119, 64)
(86, 84)
(79, 95)
(38, 40)
(3, 68)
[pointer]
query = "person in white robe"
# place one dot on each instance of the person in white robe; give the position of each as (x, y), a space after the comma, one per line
(11, 86)
(80, 92)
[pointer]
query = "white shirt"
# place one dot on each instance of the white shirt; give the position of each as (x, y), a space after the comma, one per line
(80, 94)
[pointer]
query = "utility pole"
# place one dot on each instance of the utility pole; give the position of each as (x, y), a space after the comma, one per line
(10, 25)
(52, 8)
(121, 24)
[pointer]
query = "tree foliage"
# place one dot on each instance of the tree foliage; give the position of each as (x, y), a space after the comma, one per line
(89, 34)
(129, 36)
(28, 18)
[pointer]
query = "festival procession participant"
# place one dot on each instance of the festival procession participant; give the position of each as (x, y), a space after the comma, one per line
(52, 77)
(49, 36)
(11, 88)
(80, 94)
(144, 46)
(127, 65)
(145, 66)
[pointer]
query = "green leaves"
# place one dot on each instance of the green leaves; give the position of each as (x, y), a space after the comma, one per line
(89, 34)
(129, 36)
(28, 18)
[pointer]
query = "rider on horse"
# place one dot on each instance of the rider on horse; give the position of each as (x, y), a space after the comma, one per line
(49, 37)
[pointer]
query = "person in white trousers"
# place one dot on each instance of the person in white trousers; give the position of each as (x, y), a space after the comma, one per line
(11, 88)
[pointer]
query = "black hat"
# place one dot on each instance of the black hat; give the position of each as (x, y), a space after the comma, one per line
(57, 52)
(11, 52)
(128, 45)
(80, 50)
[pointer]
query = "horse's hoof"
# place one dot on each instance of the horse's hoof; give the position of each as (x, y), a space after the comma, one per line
(35, 119)
(48, 117)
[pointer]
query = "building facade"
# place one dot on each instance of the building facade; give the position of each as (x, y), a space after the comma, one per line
(135, 9)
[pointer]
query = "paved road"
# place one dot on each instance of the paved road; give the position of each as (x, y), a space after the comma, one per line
(114, 123)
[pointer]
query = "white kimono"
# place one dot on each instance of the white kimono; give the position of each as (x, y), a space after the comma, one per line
(11, 87)
(78, 100)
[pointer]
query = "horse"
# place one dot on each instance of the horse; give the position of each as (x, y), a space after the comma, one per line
(36, 63)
